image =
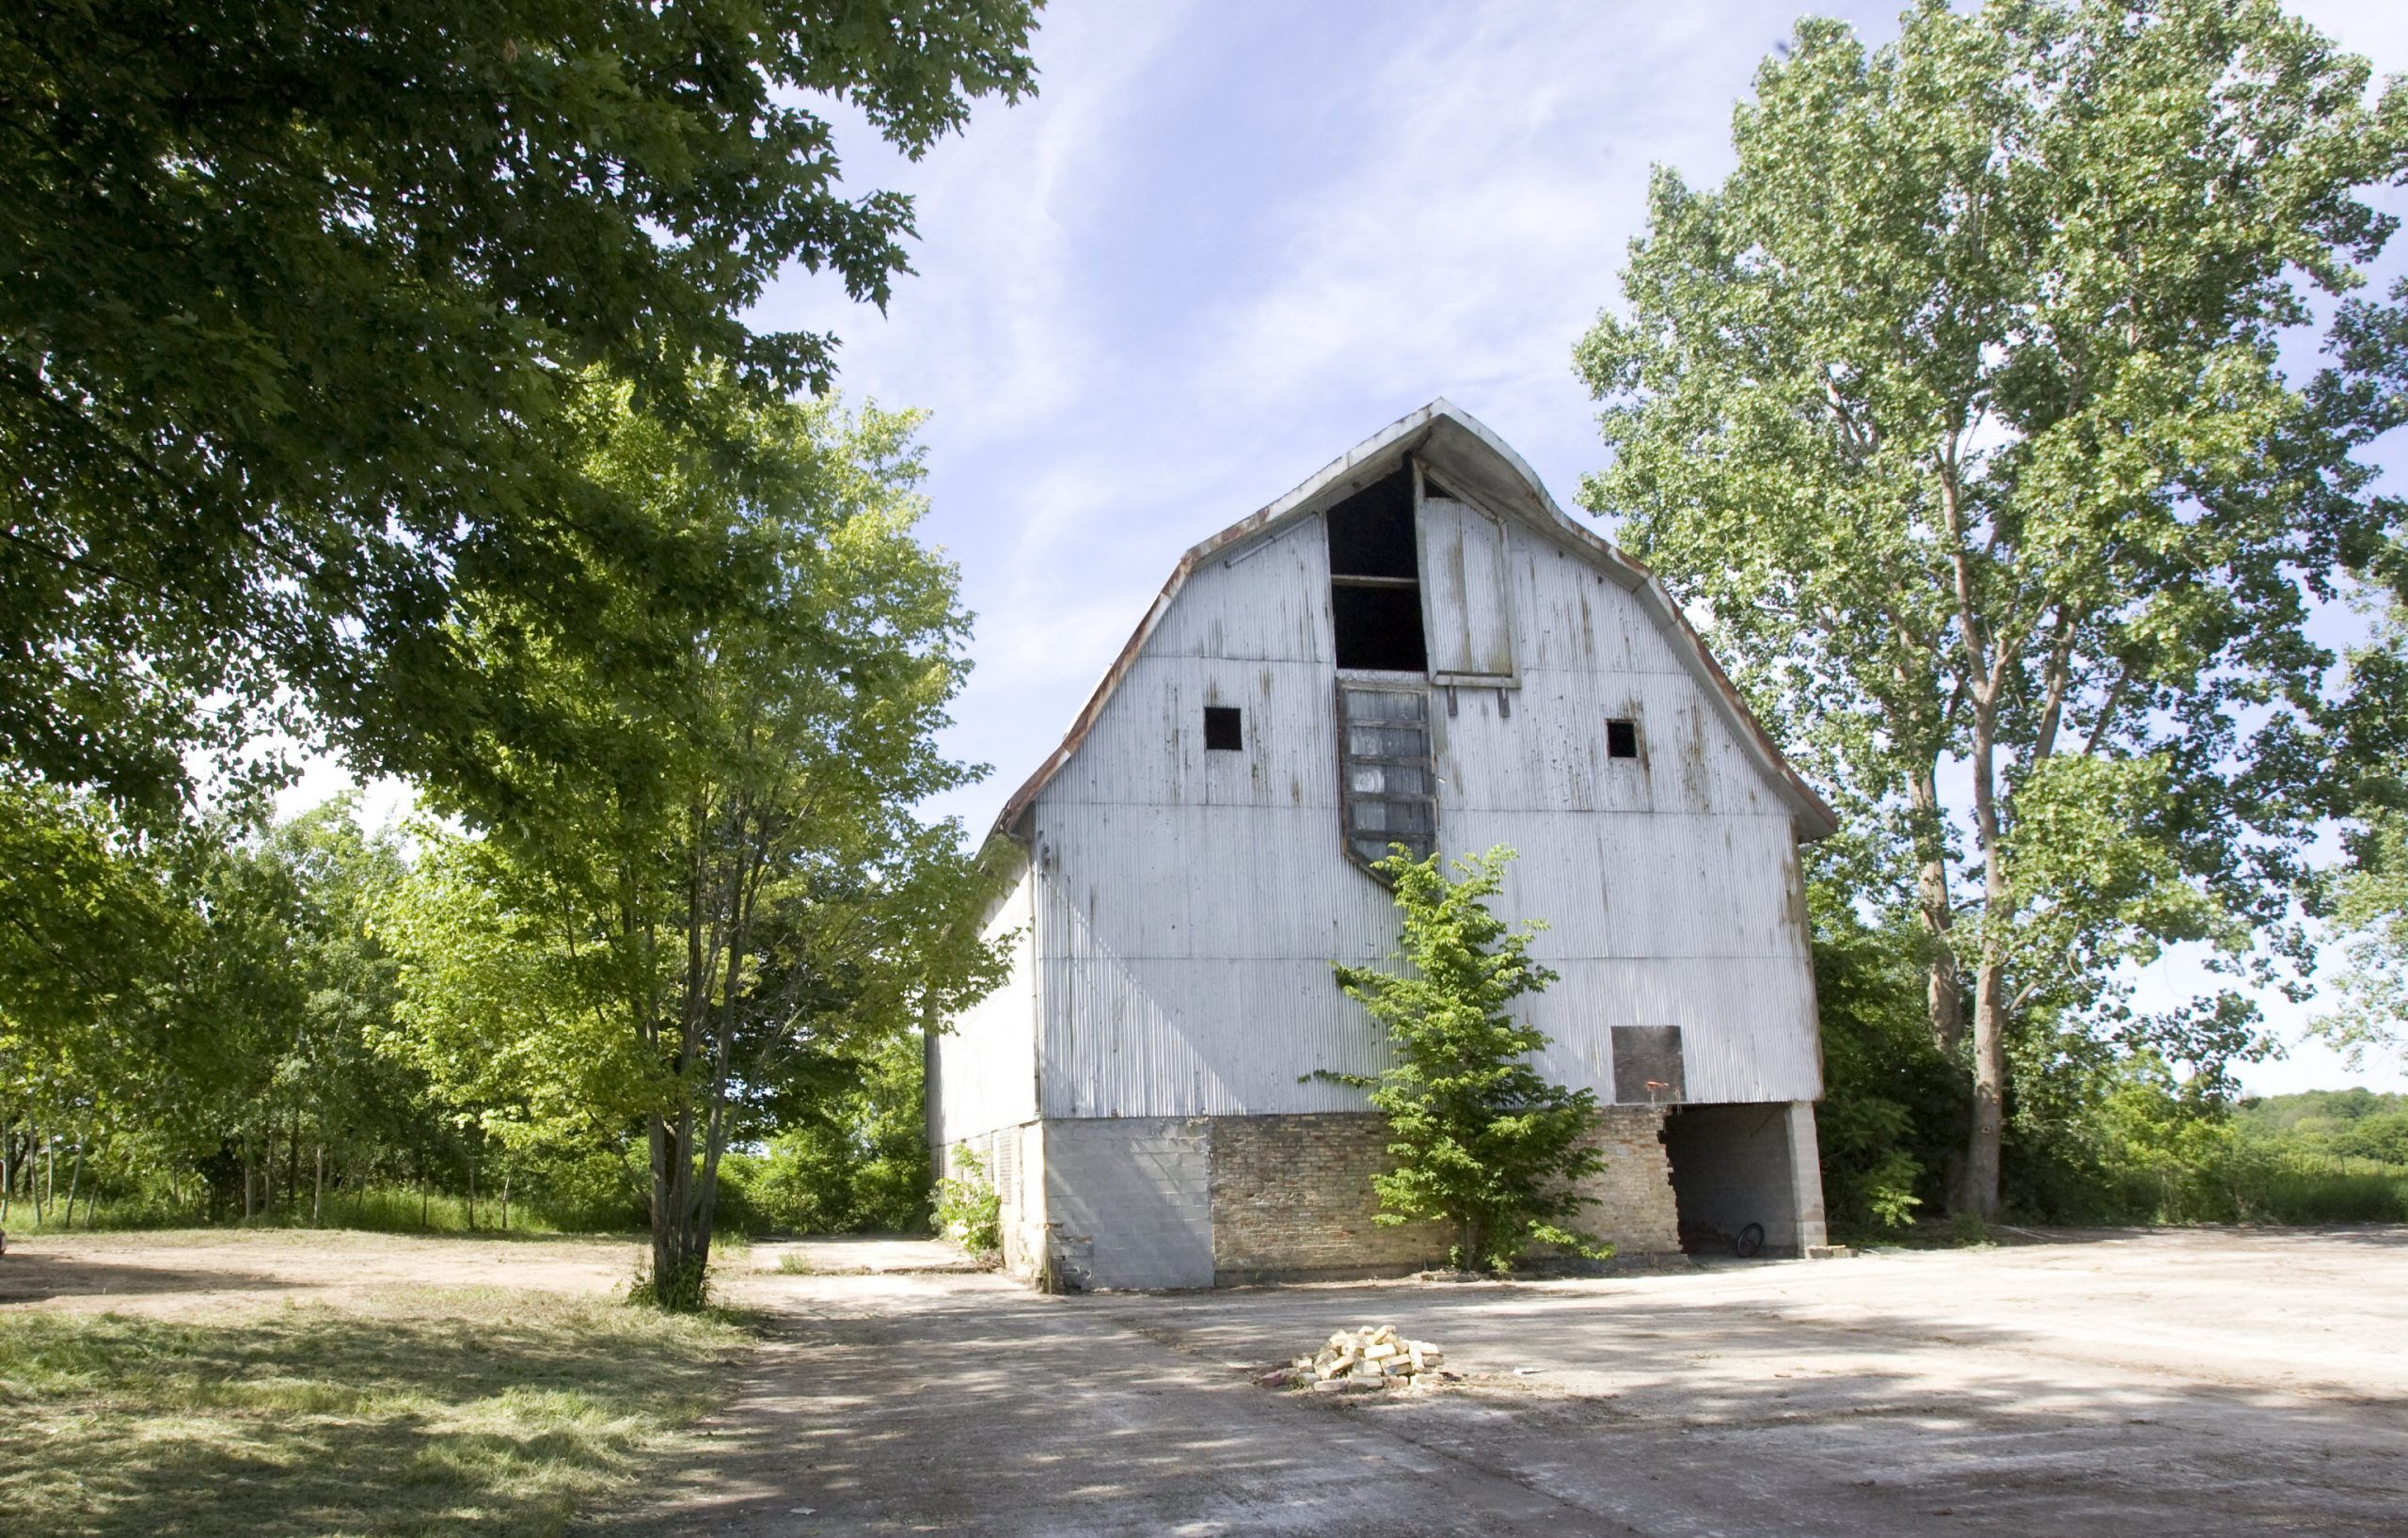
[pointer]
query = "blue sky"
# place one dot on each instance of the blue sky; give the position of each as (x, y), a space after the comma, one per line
(1227, 240)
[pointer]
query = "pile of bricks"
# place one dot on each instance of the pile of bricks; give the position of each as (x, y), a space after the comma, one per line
(1372, 1357)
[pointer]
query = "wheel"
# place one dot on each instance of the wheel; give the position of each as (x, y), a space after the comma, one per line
(1750, 1242)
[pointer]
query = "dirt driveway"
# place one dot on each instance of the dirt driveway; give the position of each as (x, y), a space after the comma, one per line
(2125, 1385)
(184, 1272)
(2128, 1385)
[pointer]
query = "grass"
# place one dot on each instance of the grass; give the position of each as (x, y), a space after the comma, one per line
(420, 1411)
(376, 1209)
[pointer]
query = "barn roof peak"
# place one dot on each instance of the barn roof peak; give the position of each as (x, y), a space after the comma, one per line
(1476, 461)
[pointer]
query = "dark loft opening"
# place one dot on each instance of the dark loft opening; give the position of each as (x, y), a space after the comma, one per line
(1375, 578)
(1622, 739)
(1222, 729)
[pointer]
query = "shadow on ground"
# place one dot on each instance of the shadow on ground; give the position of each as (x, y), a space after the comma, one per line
(963, 1405)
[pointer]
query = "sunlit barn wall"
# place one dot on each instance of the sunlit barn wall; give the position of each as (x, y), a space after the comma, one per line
(1190, 902)
(985, 1066)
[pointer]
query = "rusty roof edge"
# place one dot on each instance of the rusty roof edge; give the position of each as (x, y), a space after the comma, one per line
(1815, 816)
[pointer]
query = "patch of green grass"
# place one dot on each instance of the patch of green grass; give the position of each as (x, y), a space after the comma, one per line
(421, 1412)
(376, 1209)
(2353, 1191)
(792, 1264)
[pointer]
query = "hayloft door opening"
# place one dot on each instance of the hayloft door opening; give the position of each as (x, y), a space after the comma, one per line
(1375, 579)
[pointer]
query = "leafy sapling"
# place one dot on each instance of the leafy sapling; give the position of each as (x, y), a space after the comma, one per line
(1482, 1142)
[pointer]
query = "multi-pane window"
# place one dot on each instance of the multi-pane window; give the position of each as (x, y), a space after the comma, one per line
(1389, 795)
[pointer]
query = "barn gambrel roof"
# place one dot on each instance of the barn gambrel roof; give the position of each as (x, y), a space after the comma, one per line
(1473, 460)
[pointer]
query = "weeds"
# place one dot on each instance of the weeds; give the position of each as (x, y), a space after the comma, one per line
(969, 1210)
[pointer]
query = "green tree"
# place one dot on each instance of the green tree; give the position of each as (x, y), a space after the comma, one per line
(1957, 411)
(293, 293)
(2365, 898)
(1482, 1142)
(224, 1035)
(1890, 1101)
(716, 872)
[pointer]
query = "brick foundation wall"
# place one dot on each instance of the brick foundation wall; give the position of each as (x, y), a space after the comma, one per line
(1629, 1202)
(1291, 1196)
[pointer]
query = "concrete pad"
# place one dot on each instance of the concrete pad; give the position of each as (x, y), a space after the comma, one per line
(863, 1254)
(2139, 1385)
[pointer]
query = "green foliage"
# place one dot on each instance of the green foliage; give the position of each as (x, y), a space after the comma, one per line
(1482, 1142)
(294, 300)
(699, 896)
(2369, 901)
(2095, 1133)
(1893, 1107)
(220, 1064)
(2335, 1123)
(970, 1211)
(1959, 407)
(512, 1410)
(855, 1157)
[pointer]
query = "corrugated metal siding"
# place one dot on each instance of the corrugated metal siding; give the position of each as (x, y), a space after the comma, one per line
(987, 1064)
(1190, 902)
(1466, 593)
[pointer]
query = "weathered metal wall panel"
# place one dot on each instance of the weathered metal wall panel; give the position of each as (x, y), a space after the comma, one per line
(986, 1075)
(1191, 901)
(1465, 590)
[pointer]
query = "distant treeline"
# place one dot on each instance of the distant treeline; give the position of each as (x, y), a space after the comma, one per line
(2096, 1132)
(255, 1063)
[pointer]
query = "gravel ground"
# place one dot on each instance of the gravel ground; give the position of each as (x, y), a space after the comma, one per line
(2127, 1384)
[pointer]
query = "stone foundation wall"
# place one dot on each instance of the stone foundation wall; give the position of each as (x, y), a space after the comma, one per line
(1291, 1196)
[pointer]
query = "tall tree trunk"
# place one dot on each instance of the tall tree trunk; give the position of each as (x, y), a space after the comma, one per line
(505, 1199)
(317, 1187)
(472, 1189)
(74, 1180)
(1944, 984)
(1982, 1148)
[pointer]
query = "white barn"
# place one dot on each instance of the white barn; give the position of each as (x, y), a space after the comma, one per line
(1415, 645)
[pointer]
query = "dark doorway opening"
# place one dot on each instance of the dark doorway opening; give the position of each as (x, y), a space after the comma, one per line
(1375, 578)
(1731, 1168)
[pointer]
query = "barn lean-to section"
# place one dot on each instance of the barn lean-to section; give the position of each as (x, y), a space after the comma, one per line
(1185, 883)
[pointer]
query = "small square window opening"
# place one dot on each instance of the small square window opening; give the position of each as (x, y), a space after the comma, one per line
(1622, 739)
(1222, 730)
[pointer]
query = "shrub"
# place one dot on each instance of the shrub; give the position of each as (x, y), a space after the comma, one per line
(969, 1208)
